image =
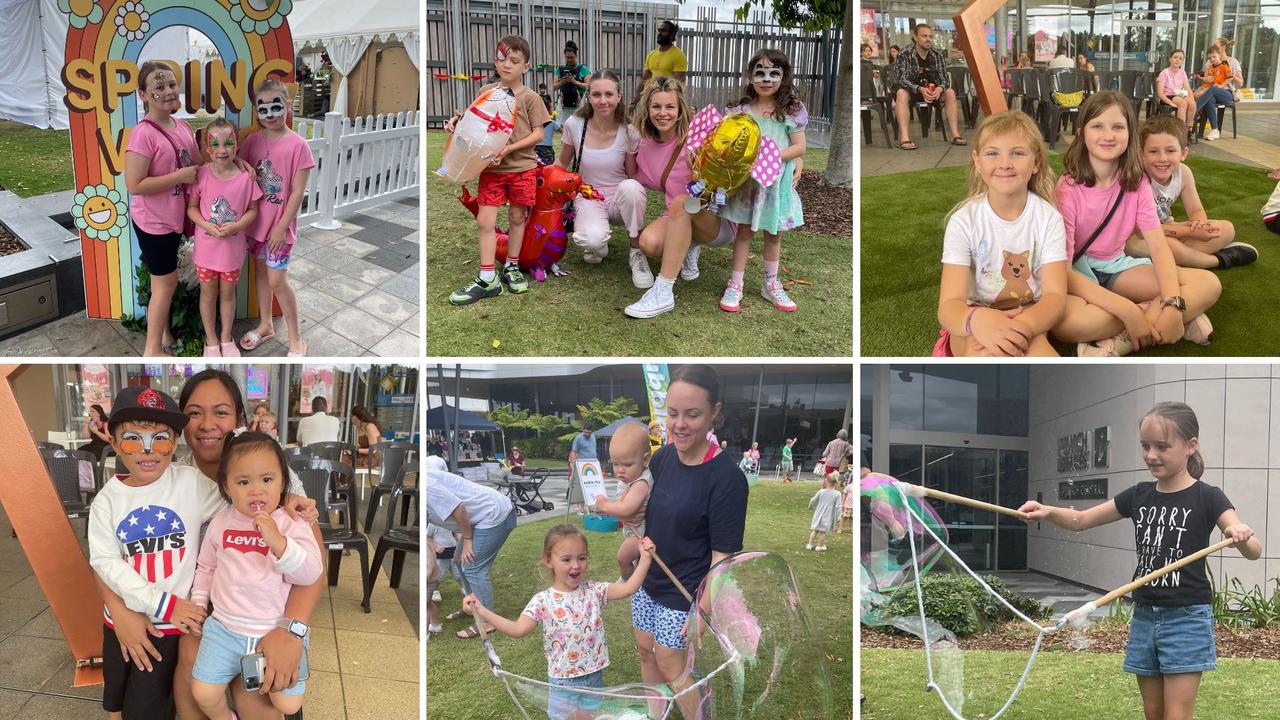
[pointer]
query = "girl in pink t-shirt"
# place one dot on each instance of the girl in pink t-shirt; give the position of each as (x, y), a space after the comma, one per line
(283, 161)
(1174, 89)
(159, 161)
(570, 612)
(1123, 302)
(222, 203)
(662, 119)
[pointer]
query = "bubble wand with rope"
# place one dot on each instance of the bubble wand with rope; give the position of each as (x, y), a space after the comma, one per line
(1076, 617)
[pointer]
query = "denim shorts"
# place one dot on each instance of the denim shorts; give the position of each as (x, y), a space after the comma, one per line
(658, 620)
(1167, 640)
(218, 661)
(1104, 272)
(562, 704)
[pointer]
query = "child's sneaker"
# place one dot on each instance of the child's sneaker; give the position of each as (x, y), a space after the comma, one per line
(821, 548)
(1213, 134)
(641, 275)
(477, 290)
(513, 279)
(657, 300)
(437, 628)
(808, 546)
(1236, 254)
(1199, 330)
(731, 301)
(689, 267)
(772, 291)
(435, 597)
(1117, 346)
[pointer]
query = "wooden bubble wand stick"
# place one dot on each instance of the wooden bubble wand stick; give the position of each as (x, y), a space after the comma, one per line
(922, 491)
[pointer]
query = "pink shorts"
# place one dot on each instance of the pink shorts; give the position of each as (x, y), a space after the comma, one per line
(206, 275)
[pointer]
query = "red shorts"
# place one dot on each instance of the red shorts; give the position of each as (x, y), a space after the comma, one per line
(503, 188)
(831, 468)
(205, 275)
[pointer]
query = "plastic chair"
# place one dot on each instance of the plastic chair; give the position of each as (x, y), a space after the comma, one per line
(872, 101)
(295, 453)
(1202, 118)
(64, 468)
(42, 446)
(392, 457)
(322, 479)
(398, 541)
(1061, 80)
(1133, 84)
(332, 450)
(965, 97)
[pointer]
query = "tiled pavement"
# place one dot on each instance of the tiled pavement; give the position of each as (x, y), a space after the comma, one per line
(1060, 595)
(362, 666)
(357, 288)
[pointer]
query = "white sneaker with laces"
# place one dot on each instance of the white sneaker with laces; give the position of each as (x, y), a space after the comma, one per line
(656, 300)
(731, 300)
(435, 596)
(689, 268)
(821, 548)
(1212, 134)
(808, 547)
(437, 628)
(772, 290)
(641, 275)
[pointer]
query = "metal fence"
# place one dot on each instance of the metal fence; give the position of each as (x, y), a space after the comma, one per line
(616, 35)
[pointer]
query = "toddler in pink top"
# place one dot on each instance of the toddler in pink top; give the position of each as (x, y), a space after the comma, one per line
(283, 161)
(251, 556)
(222, 203)
(570, 612)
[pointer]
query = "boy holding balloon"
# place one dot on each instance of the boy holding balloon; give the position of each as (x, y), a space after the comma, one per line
(511, 178)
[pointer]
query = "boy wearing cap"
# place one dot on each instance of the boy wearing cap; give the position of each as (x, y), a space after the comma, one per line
(143, 532)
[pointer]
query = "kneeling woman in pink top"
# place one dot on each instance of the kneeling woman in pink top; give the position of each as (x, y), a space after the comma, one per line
(662, 118)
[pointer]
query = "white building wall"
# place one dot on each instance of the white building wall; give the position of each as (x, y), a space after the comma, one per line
(1239, 411)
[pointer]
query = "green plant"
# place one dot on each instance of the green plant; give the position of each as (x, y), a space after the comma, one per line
(1120, 612)
(600, 413)
(1248, 607)
(961, 605)
(184, 314)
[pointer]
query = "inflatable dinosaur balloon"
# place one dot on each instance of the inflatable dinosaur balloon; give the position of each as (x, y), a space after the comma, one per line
(545, 238)
(481, 132)
(726, 151)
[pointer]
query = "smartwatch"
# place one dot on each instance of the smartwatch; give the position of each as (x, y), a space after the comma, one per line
(1175, 302)
(296, 628)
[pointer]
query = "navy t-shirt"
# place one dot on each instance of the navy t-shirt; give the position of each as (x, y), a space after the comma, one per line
(692, 510)
(1168, 527)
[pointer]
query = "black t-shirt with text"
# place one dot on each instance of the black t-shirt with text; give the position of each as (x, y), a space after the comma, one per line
(692, 510)
(1168, 527)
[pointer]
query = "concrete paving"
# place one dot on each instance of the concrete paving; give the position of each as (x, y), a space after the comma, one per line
(1258, 144)
(362, 665)
(358, 290)
(1058, 594)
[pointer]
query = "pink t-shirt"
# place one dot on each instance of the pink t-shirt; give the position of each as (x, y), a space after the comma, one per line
(1172, 80)
(222, 202)
(1083, 209)
(573, 628)
(277, 161)
(651, 162)
(162, 212)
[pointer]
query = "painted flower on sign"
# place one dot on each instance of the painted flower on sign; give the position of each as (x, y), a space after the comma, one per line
(100, 212)
(260, 16)
(81, 12)
(133, 22)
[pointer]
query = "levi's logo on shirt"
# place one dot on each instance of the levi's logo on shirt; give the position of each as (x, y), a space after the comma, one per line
(246, 541)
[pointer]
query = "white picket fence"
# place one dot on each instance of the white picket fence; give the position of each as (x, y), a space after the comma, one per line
(359, 164)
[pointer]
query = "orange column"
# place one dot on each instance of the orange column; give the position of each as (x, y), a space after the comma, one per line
(972, 40)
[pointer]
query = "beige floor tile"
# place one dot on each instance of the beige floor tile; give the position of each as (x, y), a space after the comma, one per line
(25, 588)
(12, 583)
(385, 618)
(351, 587)
(324, 698)
(380, 656)
(323, 615)
(44, 625)
(324, 650)
(381, 698)
(27, 663)
(11, 703)
(15, 613)
(46, 707)
(62, 681)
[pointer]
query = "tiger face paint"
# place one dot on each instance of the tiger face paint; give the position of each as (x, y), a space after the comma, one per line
(145, 449)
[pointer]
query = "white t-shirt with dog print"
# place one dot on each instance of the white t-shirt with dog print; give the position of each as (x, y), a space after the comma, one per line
(1004, 257)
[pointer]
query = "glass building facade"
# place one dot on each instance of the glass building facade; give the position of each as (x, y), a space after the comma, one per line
(958, 428)
(1116, 35)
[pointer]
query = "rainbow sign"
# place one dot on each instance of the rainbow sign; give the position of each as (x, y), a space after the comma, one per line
(590, 479)
(104, 41)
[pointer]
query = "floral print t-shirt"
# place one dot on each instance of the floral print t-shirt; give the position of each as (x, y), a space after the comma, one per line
(573, 628)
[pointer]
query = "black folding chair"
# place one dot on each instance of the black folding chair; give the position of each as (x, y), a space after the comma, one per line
(1133, 84)
(391, 457)
(966, 97)
(64, 467)
(398, 541)
(872, 101)
(329, 483)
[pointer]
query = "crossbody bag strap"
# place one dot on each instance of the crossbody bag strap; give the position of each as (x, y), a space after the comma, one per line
(1098, 231)
(675, 153)
(177, 156)
(582, 140)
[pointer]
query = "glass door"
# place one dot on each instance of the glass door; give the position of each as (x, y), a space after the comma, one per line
(1146, 44)
(970, 472)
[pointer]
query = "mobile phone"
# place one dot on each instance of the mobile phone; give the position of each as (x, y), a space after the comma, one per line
(251, 669)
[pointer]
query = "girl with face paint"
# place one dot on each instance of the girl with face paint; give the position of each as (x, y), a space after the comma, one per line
(282, 161)
(769, 97)
(222, 203)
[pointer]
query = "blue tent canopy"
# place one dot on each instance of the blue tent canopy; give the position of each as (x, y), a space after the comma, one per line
(611, 428)
(442, 418)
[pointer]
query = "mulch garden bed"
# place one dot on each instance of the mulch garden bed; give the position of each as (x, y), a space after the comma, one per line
(1106, 637)
(9, 243)
(828, 210)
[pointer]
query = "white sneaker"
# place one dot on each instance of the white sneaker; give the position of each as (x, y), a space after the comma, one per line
(731, 300)
(689, 268)
(1199, 330)
(641, 275)
(808, 546)
(656, 300)
(437, 628)
(1212, 134)
(773, 291)
(435, 596)
(821, 548)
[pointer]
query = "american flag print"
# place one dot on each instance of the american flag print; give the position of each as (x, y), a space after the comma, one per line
(154, 540)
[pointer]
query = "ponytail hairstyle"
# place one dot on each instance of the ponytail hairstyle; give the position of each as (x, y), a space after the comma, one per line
(234, 445)
(1182, 419)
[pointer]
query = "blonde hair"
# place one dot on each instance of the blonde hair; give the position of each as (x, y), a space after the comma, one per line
(662, 83)
(832, 479)
(271, 84)
(555, 535)
(1010, 122)
(630, 438)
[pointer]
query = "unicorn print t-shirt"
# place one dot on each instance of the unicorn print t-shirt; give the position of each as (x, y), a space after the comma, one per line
(222, 202)
(1004, 257)
(573, 628)
(277, 161)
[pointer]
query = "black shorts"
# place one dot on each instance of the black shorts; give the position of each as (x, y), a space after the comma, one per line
(139, 694)
(159, 252)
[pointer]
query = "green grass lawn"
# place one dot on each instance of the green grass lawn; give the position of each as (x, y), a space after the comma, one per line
(901, 251)
(582, 314)
(1061, 686)
(35, 161)
(461, 687)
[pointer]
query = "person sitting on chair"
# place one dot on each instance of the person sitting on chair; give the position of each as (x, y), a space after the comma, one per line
(920, 75)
